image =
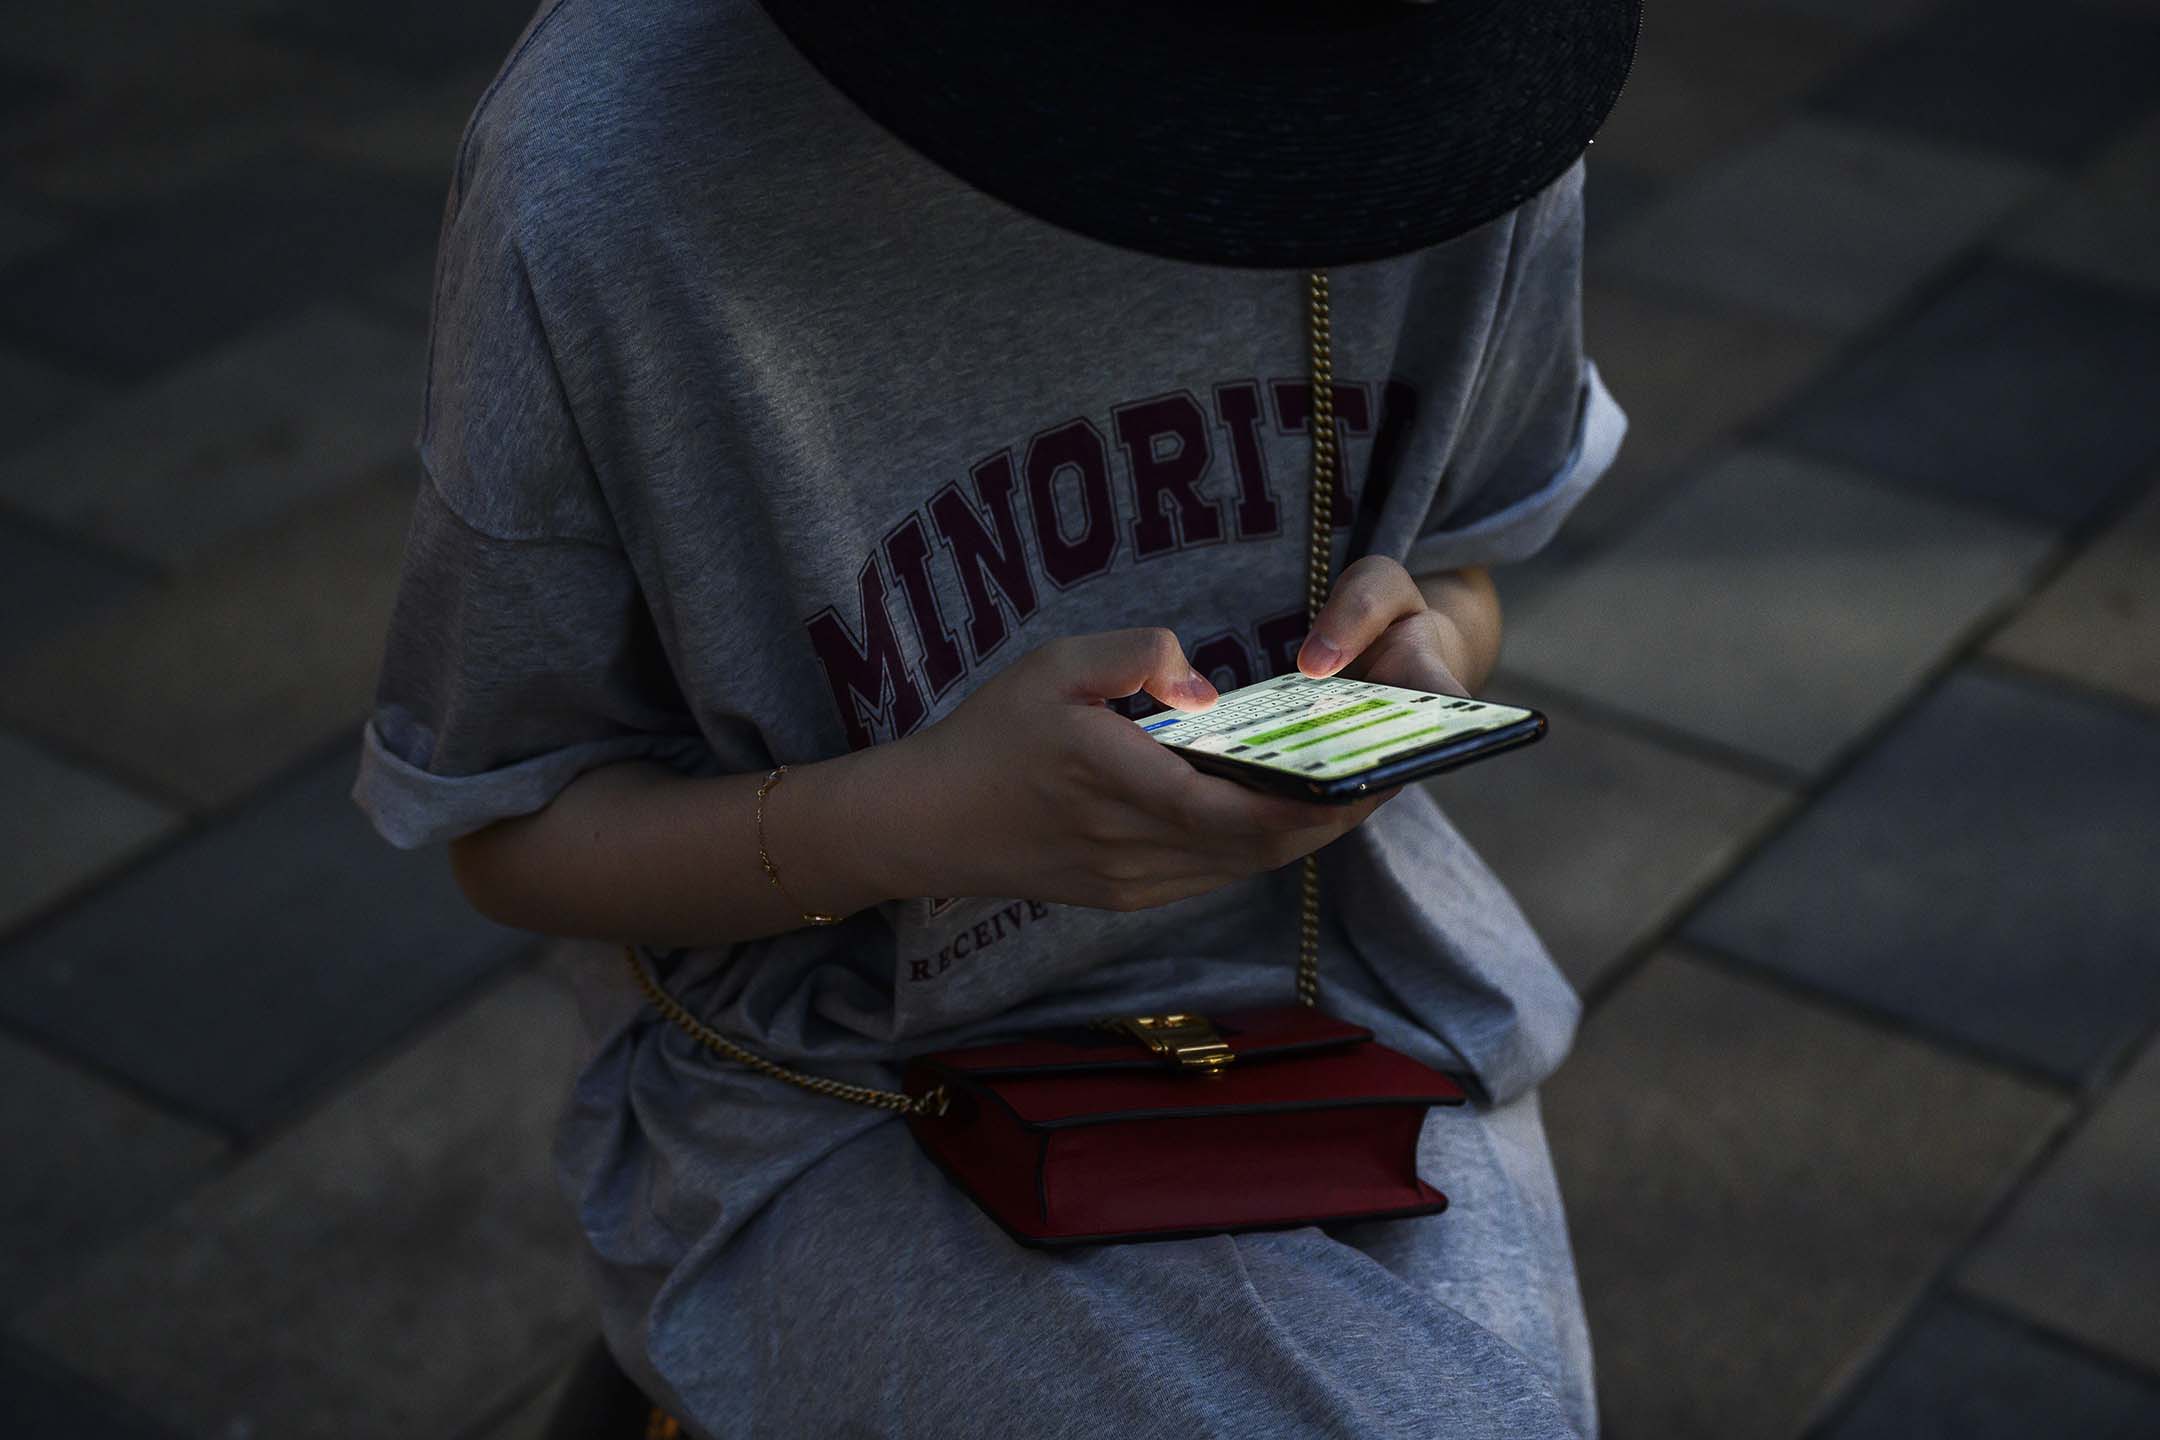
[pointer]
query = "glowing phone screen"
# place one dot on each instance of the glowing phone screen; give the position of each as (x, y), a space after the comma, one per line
(1325, 728)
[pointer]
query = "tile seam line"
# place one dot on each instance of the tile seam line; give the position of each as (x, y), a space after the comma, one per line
(1969, 649)
(1943, 1284)
(1637, 952)
(1647, 729)
(1970, 644)
(242, 1143)
(56, 747)
(285, 1119)
(232, 1141)
(1998, 511)
(86, 548)
(240, 1139)
(2117, 1365)
(197, 821)
(1716, 957)
(2023, 672)
(1974, 258)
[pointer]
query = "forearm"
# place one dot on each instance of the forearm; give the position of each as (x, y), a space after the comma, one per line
(638, 851)
(1471, 641)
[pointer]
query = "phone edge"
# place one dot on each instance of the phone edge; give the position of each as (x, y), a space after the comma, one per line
(1418, 765)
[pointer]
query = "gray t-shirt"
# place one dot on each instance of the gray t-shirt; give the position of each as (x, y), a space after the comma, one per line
(751, 436)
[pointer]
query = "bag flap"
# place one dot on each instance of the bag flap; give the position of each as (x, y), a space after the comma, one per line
(1250, 1034)
(1318, 1079)
(1290, 1058)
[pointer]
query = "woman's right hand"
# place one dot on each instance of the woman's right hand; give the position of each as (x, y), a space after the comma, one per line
(1034, 788)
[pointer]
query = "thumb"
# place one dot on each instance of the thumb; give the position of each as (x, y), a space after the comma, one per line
(1117, 663)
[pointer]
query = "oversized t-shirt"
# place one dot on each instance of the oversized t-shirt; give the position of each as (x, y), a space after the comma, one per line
(751, 436)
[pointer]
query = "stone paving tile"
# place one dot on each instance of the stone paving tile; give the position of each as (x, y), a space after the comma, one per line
(241, 973)
(96, 40)
(86, 1164)
(413, 38)
(1601, 836)
(2044, 82)
(2103, 223)
(1688, 375)
(420, 136)
(530, 1420)
(47, 581)
(1867, 17)
(1709, 76)
(151, 286)
(1825, 225)
(1759, 1188)
(1983, 873)
(61, 826)
(2080, 1250)
(35, 398)
(22, 232)
(405, 291)
(391, 1268)
(1834, 596)
(159, 127)
(1614, 193)
(26, 90)
(2018, 386)
(232, 442)
(1566, 553)
(2099, 620)
(1963, 1374)
(213, 685)
(40, 1401)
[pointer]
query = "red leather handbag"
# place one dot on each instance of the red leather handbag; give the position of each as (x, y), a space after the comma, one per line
(1182, 1126)
(1153, 1127)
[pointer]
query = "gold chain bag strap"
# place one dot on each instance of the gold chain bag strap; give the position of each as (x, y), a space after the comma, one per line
(1155, 1127)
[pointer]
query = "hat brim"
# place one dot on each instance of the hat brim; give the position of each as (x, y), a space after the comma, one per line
(1252, 133)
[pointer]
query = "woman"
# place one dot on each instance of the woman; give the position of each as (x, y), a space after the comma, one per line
(755, 437)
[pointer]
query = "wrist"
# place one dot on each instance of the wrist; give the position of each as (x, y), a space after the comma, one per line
(813, 833)
(1468, 611)
(883, 821)
(1455, 650)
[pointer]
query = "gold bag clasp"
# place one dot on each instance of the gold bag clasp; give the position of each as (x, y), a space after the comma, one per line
(1189, 1041)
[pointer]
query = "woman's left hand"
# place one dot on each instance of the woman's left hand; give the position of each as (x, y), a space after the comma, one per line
(1376, 626)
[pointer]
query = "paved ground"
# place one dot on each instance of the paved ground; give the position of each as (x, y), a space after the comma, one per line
(1847, 828)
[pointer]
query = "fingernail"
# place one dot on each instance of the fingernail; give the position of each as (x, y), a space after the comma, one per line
(1198, 688)
(1320, 656)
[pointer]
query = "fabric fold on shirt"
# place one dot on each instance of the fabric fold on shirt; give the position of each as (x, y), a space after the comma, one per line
(1525, 526)
(411, 807)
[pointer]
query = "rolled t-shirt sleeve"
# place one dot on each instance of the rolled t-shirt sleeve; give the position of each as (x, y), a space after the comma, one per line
(521, 650)
(1541, 428)
(511, 667)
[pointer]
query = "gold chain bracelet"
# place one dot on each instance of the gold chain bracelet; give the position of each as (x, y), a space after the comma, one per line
(772, 871)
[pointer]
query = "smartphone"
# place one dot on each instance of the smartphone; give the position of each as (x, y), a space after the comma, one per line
(1337, 740)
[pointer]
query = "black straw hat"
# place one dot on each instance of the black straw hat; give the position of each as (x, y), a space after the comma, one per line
(1261, 133)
